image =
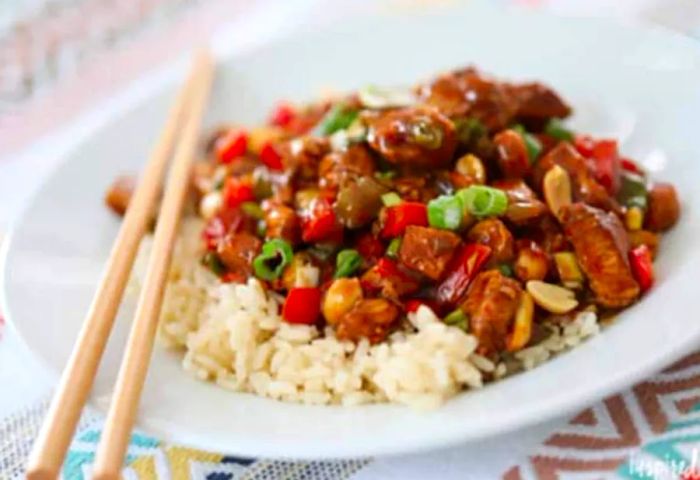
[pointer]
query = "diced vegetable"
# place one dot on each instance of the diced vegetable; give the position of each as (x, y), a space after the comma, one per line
(472, 167)
(253, 209)
(212, 261)
(634, 218)
(359, 202)
(556, 129)
(629, 165)
(391, 199)
(457, 318)
(347, 262)
(375, 97)
(556, 187)
(642, 266)
(282, 115)
(470, 130)
(533, 145)
(236, 191)
(506, 269)
(398, 217)
(385, 176)
(606, 160)
(340, 297)
(392, 251)
(462, 269)
(320, 222)
(302, 305)
(569, 271)
(370, 247)
(552, 298)
(483, 201)
(340, 116)
(633, 191)
(230, 146)
(522, 326)
(270, 158)
(300, 272)
(426, 134)
(445, 212)
(275, 256)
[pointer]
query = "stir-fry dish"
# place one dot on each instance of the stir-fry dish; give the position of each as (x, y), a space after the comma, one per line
(465, 194)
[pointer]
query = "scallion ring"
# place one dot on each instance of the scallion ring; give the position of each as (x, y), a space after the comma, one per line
(446, 212)
(275, 256)
(483, 201)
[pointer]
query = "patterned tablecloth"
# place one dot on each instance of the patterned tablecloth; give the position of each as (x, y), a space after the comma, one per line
(62, 60)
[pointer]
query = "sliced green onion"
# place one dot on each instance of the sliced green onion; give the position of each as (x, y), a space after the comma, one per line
(506, 269)
(392, 251)
(533, 145)
(337, 118)
(261, 228)
(391, 199)
(212, 261)
(388, 175)
(347, 262)
(483, 201)
(276, 255)
(446, 211)
(469, 129)
(457, 318)
(556, 129)
(633, 191)
(252, 209)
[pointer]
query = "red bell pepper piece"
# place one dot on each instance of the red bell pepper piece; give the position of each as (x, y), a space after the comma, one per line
(400, 216)
(642, 266)
(320, 222)
(302, 305)
(605, 160)
(413, 305)
(584, 145)
(230, 146)
(370, 247)
(236, 191)
(607, 165)
(631, 166)
(282, 115)
(270, 157)
(462, 270)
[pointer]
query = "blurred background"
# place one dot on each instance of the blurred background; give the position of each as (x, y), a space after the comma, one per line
(64, 60)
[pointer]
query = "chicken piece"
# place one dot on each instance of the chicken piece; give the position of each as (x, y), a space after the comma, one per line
(491, 303)
(337, 168)
(493, 233)
(303, 155)
(538, 102)
(390, 280)
(468, 93)
(417, 137)
(428, 250)
(282, 222)
(523, 204)
(372, 319)
(585, 187)
(664, 209)
(119, 194)
(601, 246)
(237, 251)
(415, 188)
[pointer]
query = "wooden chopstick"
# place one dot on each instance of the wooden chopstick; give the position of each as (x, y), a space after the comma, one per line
(134, 367)
(76, 381)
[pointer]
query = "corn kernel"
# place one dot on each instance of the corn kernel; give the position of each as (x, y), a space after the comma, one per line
(471, 166)
(634, 219)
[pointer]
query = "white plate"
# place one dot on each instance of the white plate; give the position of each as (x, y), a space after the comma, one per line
(640, 85)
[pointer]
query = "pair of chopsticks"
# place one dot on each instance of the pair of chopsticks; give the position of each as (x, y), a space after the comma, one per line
(76, 382)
